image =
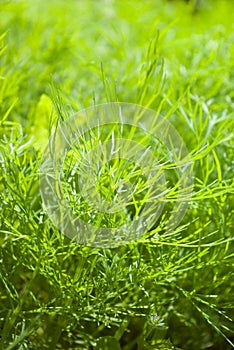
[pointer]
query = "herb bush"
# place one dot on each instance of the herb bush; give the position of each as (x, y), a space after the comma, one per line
(168, 291)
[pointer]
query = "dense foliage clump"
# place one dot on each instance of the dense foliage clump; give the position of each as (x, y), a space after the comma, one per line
(169, 290)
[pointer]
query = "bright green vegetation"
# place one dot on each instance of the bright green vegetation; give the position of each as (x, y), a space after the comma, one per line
(170, 290)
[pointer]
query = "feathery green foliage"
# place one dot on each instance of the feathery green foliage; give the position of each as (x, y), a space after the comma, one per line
(170, 290)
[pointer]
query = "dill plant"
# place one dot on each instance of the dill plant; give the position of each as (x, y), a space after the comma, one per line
(172, 290)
